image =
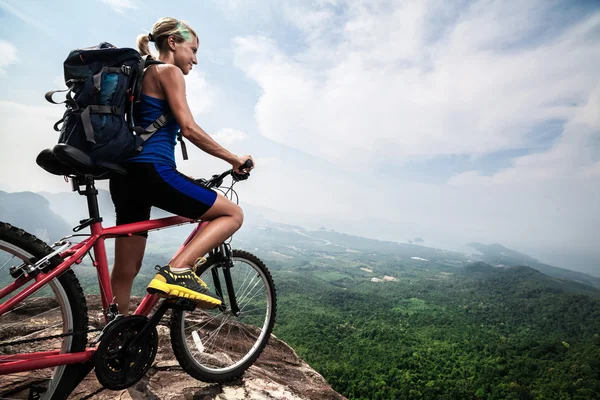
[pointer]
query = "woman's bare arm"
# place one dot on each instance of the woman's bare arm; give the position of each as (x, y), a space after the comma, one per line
(173, 86)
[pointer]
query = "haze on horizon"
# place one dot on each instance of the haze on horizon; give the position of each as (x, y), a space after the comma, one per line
(471, 121)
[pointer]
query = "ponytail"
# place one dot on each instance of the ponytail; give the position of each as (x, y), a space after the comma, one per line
(143, 44)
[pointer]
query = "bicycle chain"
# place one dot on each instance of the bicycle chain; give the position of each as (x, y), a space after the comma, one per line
(24, 341)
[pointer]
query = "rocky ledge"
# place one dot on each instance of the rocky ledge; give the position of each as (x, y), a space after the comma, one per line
(277, 374)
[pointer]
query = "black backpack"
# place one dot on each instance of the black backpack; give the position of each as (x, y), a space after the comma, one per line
(104, 84)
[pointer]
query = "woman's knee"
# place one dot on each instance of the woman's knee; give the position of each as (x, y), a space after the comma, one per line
(225, 208)
(128, 270)
(238, 216)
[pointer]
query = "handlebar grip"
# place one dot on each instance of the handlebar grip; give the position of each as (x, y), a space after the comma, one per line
(247, 164)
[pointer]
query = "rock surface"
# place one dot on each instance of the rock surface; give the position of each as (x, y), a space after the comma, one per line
(277, 374)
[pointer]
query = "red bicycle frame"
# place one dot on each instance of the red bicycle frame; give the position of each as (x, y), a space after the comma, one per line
(30, 361)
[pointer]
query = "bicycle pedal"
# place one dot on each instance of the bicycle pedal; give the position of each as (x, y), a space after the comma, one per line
(184, 304)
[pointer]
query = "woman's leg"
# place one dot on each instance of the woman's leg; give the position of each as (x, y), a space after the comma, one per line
(128, 193)
(129, 252)
(181, 195)
(225, 219)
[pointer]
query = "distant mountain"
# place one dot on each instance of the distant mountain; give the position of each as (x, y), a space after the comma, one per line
(73, 207)
(498, 255)
(290, 241)
(524, 281)
(54, 214)
(499, 252)
(31, 212)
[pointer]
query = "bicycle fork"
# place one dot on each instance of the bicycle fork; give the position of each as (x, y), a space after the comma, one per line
(224, 254)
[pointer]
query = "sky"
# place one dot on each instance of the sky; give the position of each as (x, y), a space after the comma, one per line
(452, 121)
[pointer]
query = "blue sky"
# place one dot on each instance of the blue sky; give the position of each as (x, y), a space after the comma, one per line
(454, 121)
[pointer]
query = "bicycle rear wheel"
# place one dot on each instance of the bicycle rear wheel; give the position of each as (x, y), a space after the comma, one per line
(216, 345)
(57, 308)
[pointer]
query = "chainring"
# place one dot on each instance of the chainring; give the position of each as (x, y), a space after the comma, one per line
(118, 366)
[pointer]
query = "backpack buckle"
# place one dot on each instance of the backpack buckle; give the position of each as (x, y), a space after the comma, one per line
(126, 69)
(115, 110)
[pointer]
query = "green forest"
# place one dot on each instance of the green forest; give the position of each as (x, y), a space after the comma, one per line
(482, 333)
(387, 320)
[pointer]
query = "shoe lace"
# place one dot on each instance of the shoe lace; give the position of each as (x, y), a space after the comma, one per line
(200, 281)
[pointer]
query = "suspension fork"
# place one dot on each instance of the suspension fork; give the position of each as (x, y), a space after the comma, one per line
(224, 254)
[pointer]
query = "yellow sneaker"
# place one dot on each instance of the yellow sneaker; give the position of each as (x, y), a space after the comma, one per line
(187, 285)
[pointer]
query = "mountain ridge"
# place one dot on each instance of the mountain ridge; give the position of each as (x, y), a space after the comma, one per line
(61, 206)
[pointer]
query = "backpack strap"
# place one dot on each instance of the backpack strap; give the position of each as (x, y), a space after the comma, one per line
(68, 98)
(182, 143)
(151, 129)
(87, 122)
(145, 62)
(146, 133)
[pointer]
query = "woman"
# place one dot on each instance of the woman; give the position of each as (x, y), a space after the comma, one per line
(152, 178)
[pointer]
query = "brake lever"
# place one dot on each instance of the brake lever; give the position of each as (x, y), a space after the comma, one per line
(218, 182)
(240, 177)
(243, 177)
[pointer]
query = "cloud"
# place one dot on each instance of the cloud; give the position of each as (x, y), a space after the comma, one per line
(383, 88)
(200, 93)
(374, 85)
(8, 55)
(574, 155)
(27, 130)
(228, 136)
(121, 6)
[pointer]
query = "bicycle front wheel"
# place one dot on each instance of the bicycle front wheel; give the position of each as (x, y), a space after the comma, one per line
(54, 319)
(217, 345)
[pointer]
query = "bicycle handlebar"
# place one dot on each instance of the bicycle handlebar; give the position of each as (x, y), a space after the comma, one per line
(217, 180)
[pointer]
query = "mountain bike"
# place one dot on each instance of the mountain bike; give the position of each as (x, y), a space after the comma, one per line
(210, 345)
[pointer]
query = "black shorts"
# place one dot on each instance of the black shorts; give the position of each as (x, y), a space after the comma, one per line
(147, 185)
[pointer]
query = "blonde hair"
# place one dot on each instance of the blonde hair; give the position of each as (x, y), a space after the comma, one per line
(161, 30)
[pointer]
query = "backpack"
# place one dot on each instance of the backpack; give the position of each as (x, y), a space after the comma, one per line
(104, 84)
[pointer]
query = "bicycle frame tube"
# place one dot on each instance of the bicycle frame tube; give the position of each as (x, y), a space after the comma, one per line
(30, 361)
(76, 254)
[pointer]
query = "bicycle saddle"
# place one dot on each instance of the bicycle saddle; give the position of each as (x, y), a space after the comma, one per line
(63, 159)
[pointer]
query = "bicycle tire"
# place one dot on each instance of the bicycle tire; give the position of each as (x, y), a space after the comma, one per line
(210, 364)
(71, 300)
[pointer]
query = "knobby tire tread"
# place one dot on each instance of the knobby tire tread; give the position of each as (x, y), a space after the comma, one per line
(72, 288)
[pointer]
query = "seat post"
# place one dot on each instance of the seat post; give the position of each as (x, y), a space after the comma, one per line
(91, 193)
(92, 199)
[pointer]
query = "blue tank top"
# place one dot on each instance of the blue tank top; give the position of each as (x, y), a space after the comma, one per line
(160, 147)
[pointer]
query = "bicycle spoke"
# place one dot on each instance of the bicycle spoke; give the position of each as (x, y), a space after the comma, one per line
(21, 322)
(249, 312)
(7, 261)
(257, 282)
(206, 323)
(248, 274)
(259, 291)
(231, 342)
(245, 288)
(212, 338)
(42, 330)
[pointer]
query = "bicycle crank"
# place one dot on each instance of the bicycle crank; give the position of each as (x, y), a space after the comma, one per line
(126, 352)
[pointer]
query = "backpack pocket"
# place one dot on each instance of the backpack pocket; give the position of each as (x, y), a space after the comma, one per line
(113, 89)
(114, 142)
(71, 132)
